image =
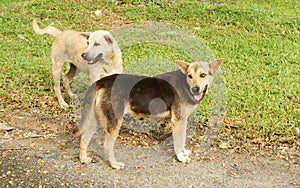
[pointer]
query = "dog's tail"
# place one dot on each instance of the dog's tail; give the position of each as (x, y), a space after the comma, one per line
(50, 30)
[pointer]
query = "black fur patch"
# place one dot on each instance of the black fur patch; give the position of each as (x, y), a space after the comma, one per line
(152, 96)
(108, 39)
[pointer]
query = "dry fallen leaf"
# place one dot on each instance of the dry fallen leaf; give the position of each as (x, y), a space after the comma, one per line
(32, 145)
(80, 169)
(2, 125)
(41, 163)
(10, 147)
(281, 156)
(139, 166)
(223, 145)
(22, 37)
(132, 178)
(116, 171)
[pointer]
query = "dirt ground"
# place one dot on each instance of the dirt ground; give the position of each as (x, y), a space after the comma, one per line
(39, 151)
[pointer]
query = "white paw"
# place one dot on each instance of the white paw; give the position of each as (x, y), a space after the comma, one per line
(73, 96)
(183, 156)
(187, 152)
(85, 160)
(116, 165)
(63, 105)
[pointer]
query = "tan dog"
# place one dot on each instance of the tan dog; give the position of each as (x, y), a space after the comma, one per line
(94, 53)
(173, 95)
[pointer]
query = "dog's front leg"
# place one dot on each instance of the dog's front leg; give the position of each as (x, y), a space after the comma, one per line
(179, 136)
(109, 148)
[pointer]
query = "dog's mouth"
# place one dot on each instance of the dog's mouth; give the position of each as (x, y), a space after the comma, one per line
(97, 58)
(199, 96)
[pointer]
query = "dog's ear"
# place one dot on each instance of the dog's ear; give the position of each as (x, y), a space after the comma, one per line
(108, 39)
(86, 34)
(214, 66)
(183, 66)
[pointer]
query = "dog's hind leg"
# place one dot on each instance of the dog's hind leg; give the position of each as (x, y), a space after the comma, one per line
(56, 71)
(110, 138)
(68, 78)
(179, 136)
(88, 128)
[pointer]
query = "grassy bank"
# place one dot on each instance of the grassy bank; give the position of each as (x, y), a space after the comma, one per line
(259, 42)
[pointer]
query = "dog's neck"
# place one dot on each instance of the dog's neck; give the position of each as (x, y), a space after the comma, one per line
(113, 64)
(178, 79)
(116, 62)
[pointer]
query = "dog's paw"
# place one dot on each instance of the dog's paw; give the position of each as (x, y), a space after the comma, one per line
(64, 105)
(183, 156)
(74, 96)
(186, 152)
(85, 160)
(116, 165)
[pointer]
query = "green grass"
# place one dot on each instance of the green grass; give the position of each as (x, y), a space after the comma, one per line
(258, 40)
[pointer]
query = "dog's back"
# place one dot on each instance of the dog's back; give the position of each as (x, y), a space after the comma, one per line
(138, 92)
(68, 46)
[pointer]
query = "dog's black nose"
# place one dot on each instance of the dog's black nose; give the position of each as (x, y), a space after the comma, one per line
(84, 56)
(195, 90)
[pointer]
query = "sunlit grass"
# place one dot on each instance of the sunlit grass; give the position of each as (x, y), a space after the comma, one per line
(258, 40)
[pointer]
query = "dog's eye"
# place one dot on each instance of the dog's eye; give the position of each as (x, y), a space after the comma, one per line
(202, 75)
(190, 76)
(97, 44)
(87, 43)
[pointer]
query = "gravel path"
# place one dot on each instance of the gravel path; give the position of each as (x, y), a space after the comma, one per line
(29, 159)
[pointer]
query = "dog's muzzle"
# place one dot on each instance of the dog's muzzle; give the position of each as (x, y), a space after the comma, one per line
(195, 90)
(91, 61)
(198, 96)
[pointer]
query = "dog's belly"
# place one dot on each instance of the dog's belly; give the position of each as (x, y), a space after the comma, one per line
(148, 112)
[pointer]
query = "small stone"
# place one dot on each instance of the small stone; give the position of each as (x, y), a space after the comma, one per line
(98, 13)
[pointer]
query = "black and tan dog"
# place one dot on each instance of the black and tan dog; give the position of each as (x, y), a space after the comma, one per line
(173, 95)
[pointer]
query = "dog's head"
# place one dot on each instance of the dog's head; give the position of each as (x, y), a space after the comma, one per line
(100, 46)
(199, 76)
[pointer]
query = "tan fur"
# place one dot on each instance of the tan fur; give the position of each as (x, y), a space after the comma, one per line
(69, 47)
(173, 95)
